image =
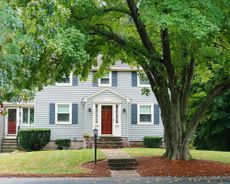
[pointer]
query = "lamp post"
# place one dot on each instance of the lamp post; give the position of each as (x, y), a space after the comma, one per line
(95, 134)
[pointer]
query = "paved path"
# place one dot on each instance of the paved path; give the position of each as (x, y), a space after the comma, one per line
(139, 180)
(115, 153)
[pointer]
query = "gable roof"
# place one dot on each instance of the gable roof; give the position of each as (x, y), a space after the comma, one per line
(106, 89)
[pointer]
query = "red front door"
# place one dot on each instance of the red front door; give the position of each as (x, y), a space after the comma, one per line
(12, 117)
(106, 119)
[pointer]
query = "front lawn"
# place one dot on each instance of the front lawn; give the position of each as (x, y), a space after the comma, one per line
(197, 154)
(47, 162)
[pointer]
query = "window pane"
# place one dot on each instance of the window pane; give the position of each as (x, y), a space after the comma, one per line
(25, 115)
(145, 109)
(31, 115)
(63, 108)
(145, 118)
(65, 80)
(63, 117)
(104, 81)
(144, 82)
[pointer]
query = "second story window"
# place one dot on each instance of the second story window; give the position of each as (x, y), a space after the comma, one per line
(143, 80)
(105, 80)
(27, 116)
(65, 81)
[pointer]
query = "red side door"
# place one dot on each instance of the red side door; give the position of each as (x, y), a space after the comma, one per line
(12, 121)
(106, 119)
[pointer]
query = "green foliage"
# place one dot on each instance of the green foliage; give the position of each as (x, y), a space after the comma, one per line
(152, 142)
(62, 143)
(33, 139)
(214, 132)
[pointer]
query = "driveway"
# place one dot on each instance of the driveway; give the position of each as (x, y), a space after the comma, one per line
(114, 180)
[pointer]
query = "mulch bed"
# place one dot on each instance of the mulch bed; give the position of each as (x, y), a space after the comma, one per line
(158, 166)
(98, 170)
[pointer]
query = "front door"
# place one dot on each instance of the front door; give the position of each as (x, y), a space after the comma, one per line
(106, 119)
(12, 121)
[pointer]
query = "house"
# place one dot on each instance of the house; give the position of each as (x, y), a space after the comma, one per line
(113, 104)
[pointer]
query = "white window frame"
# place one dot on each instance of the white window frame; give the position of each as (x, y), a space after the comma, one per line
(141, 85)
(66, 84)
(138, 115)
(70, 114)
(106, 85)
(23, 123)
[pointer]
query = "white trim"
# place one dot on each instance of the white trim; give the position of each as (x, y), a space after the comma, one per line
(66, 84)
(29, 123)
(106, 85)
(116, 128)
(70, 114)
(141, 85)
(138, 114)
(106, 89)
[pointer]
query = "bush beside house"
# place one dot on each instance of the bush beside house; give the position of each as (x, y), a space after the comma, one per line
(152, 142)
(62, 144)
(33, 139)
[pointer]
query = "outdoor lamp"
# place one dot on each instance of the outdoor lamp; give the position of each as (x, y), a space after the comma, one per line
(95, 132)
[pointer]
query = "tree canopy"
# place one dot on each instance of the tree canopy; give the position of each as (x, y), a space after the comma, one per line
(176, 43)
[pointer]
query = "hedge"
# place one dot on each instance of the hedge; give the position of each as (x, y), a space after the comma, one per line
(152, 142)
(62, 143)
(33, 139)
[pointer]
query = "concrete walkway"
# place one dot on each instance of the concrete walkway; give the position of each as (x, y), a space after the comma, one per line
(120, 154)
(115, 153)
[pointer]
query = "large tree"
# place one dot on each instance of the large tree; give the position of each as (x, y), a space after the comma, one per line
(176, 43)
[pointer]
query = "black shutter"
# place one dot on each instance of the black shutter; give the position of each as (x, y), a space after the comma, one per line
(134, 114)
(52, 113)
(134, 79)
(114, 78)
(74, 113)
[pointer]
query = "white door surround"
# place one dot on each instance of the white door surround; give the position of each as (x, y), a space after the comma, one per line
(7, 135)
(116, 118)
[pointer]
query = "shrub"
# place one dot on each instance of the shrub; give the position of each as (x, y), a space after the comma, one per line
(33, 139)
(152, 142)
(62, 143)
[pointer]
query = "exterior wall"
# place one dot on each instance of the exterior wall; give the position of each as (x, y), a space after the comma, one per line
(1, 130)
(75, 94)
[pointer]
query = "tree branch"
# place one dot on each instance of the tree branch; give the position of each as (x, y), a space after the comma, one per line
(141, 29)
(203, 106)
(167, 60)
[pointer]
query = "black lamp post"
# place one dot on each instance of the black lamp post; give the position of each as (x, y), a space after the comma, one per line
(95, 134)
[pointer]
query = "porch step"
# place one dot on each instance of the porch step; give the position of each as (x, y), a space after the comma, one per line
(110, 142)
(9, 145)
(122, 164)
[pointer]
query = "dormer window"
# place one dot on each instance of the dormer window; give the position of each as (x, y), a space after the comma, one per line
(105, 80)
(65, 81)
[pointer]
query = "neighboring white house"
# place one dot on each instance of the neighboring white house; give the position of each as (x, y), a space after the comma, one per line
(113, 104)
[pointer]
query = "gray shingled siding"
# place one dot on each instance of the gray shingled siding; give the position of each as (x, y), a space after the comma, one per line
(75, 94)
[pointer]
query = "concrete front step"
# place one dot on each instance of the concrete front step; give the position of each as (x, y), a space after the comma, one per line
(9, 145)
(122, 164)
(110, 142)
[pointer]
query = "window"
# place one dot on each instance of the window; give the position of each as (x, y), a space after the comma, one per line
(63, 114)
(145, 114)
(27, 116)
(65, 81)
(143, 80)
(106, 80)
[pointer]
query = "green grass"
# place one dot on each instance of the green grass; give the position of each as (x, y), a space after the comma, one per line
(197, 154)
(47, 162)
